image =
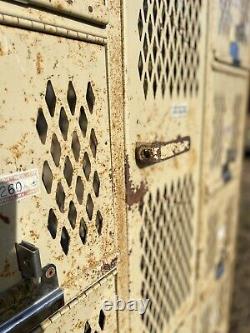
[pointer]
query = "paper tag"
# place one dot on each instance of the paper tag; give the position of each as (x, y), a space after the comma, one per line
(17, 186)
(180, 110)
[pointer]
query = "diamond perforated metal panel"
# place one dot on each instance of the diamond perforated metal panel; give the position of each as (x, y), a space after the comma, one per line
(163, 92)
(223, 127)
(229, 37)
(86, 315)
(166, 237)
(169, 60)
(64, 105)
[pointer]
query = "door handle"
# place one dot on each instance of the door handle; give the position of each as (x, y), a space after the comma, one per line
(151, 153)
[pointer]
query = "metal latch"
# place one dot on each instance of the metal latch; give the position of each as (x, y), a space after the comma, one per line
(35, 298)
(150, 153)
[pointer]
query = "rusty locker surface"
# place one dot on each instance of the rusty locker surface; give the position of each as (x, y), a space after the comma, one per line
(230, 31)
(224, 118)
(86, 314)
(163, 102)
(94, 11)
(63, 102)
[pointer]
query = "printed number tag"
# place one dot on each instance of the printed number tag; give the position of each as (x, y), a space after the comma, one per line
(19, 185)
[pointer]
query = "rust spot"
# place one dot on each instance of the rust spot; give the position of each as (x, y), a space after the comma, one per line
(39, 63)
(106, 267)
(18, 149)
(133, 194)
(5, 219)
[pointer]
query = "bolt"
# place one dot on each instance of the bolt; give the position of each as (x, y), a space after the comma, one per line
(51, 271)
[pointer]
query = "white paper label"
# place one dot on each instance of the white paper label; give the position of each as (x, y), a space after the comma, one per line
(180, 110)
(17, 186)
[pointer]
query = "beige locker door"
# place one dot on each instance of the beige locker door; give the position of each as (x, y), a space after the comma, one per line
(55, 135)
(164, 55)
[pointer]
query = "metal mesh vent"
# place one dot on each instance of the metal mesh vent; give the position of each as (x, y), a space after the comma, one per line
(169, 32)
(217, 137)
(166, 239)
(73, 149)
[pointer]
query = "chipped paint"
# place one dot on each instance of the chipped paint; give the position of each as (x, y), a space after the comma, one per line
(134, 194)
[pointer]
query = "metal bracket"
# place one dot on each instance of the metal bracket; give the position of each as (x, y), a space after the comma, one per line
(150, 153)
(35, 298)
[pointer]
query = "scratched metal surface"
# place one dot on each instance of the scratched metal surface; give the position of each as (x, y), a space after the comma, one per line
(71, 219)
(162, 73)
(229, 22)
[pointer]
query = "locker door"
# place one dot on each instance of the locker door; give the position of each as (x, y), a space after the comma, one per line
(56, 144)
(164, 56)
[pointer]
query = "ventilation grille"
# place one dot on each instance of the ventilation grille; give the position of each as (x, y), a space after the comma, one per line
(70, 168)
(166, 239)
(100, 324)
(169, 32)
(218, 125)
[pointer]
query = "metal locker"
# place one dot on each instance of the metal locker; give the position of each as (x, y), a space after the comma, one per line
(60, 162)
(164, 67)
(230, 31)
(226, 101)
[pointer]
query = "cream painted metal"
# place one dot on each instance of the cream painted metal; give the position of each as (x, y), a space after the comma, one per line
(85, 314)
(94, 11)
(164, 67)
(226, 101)
(63, 102)
(230, 31)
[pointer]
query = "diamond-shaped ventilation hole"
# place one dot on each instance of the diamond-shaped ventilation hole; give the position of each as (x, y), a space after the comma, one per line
(79, 189)
(50, 98)
(87, 328)
(96, 183)
(93, 142)
(83, 121)
(65, 240)
(72, 214)
(75, 146)
(99, 222)
(71, 97)
(90, 97)
(41, 126)
(83, 231)
(68, 171)
(55, 150)
(60, 197)
(47, 177)
(64, 123)
(102, 319)
(86, 165)
(52, 223)
(89, 207)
